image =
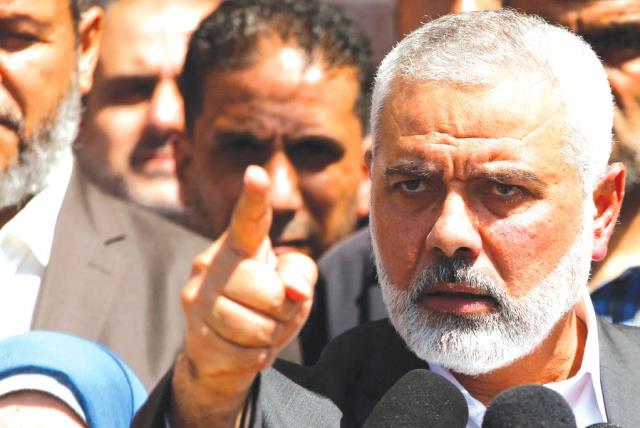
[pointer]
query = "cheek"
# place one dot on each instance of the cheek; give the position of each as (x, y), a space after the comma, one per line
(401, 240)
(120, 128)
(525, 249)
(41, 77)
(9, 143)
(330, 194)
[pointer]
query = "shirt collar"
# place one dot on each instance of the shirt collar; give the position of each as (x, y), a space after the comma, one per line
(34, 225)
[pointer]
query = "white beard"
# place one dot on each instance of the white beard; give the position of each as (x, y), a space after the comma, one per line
(478, 344)
(42, 152)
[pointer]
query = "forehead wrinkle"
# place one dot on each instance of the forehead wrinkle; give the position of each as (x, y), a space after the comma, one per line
(265, 125)
(272, 119)
(535, 132)
(412, 168)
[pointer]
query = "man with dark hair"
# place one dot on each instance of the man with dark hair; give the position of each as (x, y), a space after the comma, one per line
(71, 257)
(135, 107)
(282, 84)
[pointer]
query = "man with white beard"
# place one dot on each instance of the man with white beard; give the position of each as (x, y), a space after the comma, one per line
(490, 196)
(72, 258)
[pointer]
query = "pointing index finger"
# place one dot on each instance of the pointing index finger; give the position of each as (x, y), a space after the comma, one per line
(251, 217)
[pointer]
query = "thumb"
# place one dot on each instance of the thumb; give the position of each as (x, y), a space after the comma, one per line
(251, 217)
(299, 274)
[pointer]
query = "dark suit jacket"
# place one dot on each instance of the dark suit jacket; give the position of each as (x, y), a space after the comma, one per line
(360, 366)
(347, 294)
(115, 276)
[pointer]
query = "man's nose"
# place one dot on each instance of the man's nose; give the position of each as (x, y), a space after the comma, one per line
(469, 5)
(285, 188)
(166, 111)
(455, 232)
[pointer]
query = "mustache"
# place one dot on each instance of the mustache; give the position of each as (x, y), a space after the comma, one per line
(451, 272)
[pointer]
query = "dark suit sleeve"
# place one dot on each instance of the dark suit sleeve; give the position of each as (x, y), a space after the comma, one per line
(276, 402)
(314, 335)
(353, 372)
(152, 413)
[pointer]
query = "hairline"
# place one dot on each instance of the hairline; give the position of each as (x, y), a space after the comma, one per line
(396, 66)
(251, 59)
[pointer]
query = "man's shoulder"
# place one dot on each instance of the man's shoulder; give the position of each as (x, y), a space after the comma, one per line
(619, 346)
(110, 216)
(166, 233)
(125, 268)
(618, 333)
(354, 371)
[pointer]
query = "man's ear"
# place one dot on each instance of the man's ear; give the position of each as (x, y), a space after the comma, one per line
(89, 32)
(364, 191)
(607, 198)
(182, 153)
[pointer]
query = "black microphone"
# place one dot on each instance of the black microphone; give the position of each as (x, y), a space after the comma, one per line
(529, 406)
(420, 399)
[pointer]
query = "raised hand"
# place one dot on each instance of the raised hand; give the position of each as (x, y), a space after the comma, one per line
(242, 306)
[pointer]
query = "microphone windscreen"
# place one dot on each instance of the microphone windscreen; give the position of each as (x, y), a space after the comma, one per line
(529, 406)
(604, 425)
(420, 399)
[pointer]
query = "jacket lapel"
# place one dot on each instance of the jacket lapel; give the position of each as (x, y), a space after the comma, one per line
(620, 373)
(85, 265)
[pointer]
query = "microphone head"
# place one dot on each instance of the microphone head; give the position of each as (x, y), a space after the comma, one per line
(420, 399)
(529, 406)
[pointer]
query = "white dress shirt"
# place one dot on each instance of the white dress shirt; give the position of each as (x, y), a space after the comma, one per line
(25, 246)
(583, 391)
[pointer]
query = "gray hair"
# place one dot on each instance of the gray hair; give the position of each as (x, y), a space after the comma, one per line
(489, 47)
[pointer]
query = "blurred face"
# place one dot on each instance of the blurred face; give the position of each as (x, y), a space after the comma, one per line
(483, 240)
(43, 67)
(413, 13)
(135, 106)
(612, 27)
(297, 120)
(436, 8)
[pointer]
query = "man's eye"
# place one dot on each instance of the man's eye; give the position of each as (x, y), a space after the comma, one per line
(130, 91)
(413, 186)
(505, 190)
(314, 153)
(16, 41)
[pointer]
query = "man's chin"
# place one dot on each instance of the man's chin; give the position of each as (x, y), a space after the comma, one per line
(155, 170)
(462, 346)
